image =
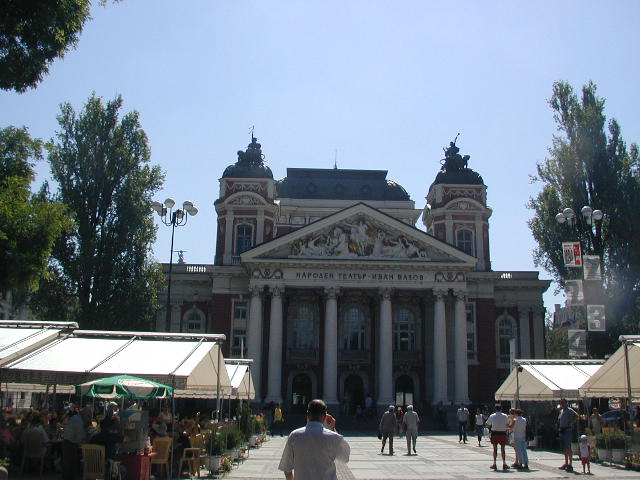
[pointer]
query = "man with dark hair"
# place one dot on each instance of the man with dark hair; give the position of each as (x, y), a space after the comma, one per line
(311, 451)
(566, 418)
(498, 424)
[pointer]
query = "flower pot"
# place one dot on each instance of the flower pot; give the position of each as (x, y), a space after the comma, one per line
(604, 454)
(213, 463)
(253, 440)
(617, 455)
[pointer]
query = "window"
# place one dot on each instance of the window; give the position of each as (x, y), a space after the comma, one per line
(404, 331)
(238, 343)
(302, 327)
(244, 238)
(194, 320)
(353, 329)
(471, 331)
(239, 329)
(464, 241)
(505, 334)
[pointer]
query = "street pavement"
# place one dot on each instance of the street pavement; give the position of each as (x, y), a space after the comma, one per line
(439, 456)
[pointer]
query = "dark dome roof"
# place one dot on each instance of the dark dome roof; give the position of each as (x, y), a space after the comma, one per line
(337, 183)
(465, 176)
(250, 163)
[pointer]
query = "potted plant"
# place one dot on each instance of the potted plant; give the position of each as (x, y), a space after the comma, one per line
(618, 443)
(4, 467)
(214, 450)
(603, 447)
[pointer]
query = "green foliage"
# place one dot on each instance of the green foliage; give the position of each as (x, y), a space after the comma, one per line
(589, 164)
(245, 420)
(235, 438)
(33, 33)
(217, 444)
(99, 162)
(29, 224)
(556, 342)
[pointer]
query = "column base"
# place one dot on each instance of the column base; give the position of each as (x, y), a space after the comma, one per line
(273, 399)
(445, 401)
(466, 401)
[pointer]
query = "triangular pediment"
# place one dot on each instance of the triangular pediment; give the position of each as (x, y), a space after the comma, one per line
(359, 233)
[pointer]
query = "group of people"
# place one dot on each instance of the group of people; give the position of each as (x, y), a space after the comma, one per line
(395, 421)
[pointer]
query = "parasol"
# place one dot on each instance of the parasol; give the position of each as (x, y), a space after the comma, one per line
(124, 386)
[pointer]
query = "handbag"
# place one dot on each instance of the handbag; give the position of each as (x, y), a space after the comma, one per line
(485, 431)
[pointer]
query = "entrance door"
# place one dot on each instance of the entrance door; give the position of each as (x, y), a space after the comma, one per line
(301, 391)
(404, 390)
(353, 394)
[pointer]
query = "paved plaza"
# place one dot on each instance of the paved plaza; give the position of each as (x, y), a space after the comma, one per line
(439, 456)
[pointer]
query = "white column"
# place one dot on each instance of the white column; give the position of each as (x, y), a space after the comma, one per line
(439, 348)
(274, 392)
(538, 331)
(385, 352)
(330, 380)
(254, 339)
(460, 349)
(448, 229)
(480, 243)
(260, 227)
(228, 238)
(523, 330)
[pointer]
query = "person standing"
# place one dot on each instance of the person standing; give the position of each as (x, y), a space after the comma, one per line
(566, 418)
(463, 420)
(278, 419)
(410, 422)
(479, 425)
(497, 421)
(387, 428)
(595, 422)
(311, 451)
(519, 428)
(75, 432)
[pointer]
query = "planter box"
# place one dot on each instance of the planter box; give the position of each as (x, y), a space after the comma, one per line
(604, 454)
(617, 455)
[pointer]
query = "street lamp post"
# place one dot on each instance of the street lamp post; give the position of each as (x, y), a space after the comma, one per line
(588, 224)
(173, 218)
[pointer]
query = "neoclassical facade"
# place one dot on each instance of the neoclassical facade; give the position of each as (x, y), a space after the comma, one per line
(324, 280)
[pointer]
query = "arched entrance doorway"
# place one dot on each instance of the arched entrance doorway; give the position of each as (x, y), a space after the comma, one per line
(301, 392)
(404, 390)
(353, 394)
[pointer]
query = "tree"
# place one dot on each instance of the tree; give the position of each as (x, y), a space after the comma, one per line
(589, 164)
(33, 33)
(29, 225)
(99, 162)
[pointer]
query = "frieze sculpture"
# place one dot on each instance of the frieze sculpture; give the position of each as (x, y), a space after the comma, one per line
(452, 160)
(359, 239)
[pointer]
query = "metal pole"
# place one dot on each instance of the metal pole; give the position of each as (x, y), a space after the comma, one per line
(626, 366)
(517, 386)
(168, 319)
(220, 365)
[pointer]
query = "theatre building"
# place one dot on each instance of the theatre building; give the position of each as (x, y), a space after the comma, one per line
(337, 286)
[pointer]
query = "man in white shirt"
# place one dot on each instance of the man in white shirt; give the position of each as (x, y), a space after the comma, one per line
(520, 439)
(75, 432)
(411, 420)
(463, 420)
(311, 451)
(498, 424)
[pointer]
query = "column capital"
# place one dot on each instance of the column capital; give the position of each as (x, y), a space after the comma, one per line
(255, 290)
(439, 293)
(332, 292)
(460, 293)
(385, 292)
(276, 290)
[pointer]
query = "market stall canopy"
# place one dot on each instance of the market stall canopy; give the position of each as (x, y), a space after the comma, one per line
(611, 379)
(540, 380)
(124, 386)
(18, 337)
(189, 362)
(241, 381)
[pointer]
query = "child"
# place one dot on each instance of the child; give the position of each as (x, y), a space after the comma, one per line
(585, 453)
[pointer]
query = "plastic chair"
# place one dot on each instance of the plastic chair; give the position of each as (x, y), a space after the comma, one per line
(193, 456)
(93, 462)
(34, 446)
(162, 449)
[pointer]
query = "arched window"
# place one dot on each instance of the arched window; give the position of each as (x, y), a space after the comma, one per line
(404, 331)
(464, 241)
(302, 328)
(353, 329)
(244, 238)
(505, 334)
(194, 320)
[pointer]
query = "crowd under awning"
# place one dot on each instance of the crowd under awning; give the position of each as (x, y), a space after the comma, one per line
(547, 380)
(239, 371)
(191, 363)
(620, 375)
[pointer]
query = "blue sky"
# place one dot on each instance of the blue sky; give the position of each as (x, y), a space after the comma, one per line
(386, 84)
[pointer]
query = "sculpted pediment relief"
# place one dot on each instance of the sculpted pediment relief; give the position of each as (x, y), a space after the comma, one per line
(360, 237)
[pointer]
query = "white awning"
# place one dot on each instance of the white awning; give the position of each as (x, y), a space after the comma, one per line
(188, 362)
(20, 337)
(541, 380)
(241, 381)
(611, 379)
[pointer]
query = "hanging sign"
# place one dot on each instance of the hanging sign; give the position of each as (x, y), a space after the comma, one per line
(596, 318)
(577, 343)
(574, 291)
(572, 254)
(591, 268)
